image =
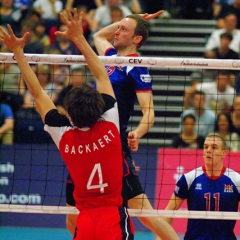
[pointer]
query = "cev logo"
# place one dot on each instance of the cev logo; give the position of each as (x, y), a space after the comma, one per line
(135, 60)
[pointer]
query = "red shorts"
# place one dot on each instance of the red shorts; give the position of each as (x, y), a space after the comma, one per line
(107, 223)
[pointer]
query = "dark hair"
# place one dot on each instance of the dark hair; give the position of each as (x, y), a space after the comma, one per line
(222, 72)
(188, 116)
(84, 105)
(226, 35)
(229, 119)
(199, 93)
(116, 9)
(229, 13)
(141, 28)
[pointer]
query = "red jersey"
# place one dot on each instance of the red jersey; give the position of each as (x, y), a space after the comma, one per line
(93, 156)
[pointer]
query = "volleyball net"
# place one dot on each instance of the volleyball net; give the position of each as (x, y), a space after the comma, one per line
(33, 174)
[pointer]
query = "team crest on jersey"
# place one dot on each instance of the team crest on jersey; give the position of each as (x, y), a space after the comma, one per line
(228, 188)
(110, 70)
(145, 78)
(198, 186)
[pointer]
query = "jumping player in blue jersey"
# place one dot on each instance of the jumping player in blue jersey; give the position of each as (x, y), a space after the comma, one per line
(212, 187)
(130, 84)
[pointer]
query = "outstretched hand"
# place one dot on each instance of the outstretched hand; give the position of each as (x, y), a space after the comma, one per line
(11, 41)
(148, 17)
(73, 23)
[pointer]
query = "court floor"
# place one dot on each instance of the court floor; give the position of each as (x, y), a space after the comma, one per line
(19, 233)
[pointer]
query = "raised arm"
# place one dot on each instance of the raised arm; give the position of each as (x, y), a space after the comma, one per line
(75, 33)
(16, 45)
(104, 37)
(146, 103)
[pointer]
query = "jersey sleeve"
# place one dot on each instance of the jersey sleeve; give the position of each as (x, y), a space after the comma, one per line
(6, 111)
(110, 52)
(110, 112)
(141, 79)
(181, 188)
(54, 119)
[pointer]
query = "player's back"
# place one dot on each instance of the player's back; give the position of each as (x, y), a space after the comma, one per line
(94, 161)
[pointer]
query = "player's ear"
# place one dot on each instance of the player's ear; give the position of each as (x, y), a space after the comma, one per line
(224, 153)
(137, 39)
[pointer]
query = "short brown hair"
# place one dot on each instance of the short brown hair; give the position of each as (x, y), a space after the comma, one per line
(84, 105)
(216, 135)
(141, 28)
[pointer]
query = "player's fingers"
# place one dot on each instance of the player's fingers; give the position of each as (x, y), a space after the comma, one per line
(75, 14)
(63, 18)
(60, 34)
(154, 15)
(158, 13)
(10, 30)
(4, 33)
(25, 36)
(81, 15)
(130, 135)
(69, 14)
(1, 30)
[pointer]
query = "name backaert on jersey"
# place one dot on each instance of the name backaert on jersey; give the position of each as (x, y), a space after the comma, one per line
(91, 147)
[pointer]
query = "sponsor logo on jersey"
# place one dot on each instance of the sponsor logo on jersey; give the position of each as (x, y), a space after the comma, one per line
(228, 188)
(198, 186)
(145, 78)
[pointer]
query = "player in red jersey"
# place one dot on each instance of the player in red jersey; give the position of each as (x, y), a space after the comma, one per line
(88, 140)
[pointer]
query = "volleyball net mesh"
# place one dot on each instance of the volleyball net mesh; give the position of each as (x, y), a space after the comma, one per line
(33, 175)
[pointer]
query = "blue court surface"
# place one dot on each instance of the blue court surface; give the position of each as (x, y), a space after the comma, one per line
(20, 233)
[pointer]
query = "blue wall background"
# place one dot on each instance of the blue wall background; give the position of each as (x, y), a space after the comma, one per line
(36, 173)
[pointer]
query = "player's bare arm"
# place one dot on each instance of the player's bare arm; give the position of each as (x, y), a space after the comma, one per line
(104, 37)
(146, 103)
(174, 204)
(75, 33)
(16, 45)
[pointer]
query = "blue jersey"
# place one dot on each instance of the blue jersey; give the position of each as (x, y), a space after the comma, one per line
(210, 194)
(5, 112)
(126, 82)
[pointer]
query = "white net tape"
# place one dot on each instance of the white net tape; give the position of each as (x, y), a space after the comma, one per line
(128, 61)
(133, 212)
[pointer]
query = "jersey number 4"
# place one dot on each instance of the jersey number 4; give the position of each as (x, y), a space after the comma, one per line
(96, 170)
